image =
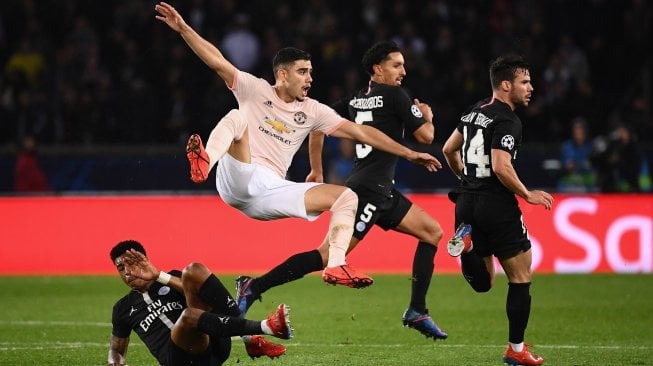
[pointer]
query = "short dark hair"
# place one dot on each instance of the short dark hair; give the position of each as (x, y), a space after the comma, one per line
(505, 67)
(288, 55)
(376, 54)
(120, 248)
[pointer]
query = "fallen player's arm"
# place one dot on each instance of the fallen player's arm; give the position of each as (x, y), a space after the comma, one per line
(117, 351)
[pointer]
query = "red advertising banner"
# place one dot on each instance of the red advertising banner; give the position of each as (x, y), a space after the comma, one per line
(73, 235)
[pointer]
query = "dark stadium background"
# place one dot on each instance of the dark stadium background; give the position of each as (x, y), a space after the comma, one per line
(118, 93)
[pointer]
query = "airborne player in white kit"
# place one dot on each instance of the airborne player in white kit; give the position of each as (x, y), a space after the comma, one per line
(256, 143)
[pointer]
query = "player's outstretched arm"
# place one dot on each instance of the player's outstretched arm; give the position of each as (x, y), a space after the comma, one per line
(117, 351)
(379, 140)
(206, 51)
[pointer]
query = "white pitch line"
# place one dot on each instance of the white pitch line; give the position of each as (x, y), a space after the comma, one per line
(445, 344)
(13, 346)
(19, 346)
(53, 322)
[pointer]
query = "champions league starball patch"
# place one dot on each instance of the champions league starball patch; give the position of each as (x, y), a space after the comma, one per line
(508, 142)
(415, 111)
(164, 290)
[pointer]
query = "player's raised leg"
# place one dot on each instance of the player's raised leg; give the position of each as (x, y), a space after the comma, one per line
(277, 323)
(229, 135)
(257, 346)
(461, 241)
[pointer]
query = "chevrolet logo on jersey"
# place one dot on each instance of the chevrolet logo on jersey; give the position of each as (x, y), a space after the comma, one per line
(279, 126)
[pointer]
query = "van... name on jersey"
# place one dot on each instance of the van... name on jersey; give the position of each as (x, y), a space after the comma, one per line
(367, 103)
(481, 119)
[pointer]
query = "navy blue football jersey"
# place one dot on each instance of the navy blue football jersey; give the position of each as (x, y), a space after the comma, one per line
(151, 315)
(489, 124)
(390, 110)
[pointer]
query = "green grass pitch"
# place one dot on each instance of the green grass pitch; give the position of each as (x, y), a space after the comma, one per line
(575, 320)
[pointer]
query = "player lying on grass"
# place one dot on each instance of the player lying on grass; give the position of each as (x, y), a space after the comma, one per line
(184, 317)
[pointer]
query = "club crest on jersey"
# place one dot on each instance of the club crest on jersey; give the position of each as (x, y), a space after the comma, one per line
(415, 111)
(360, 226)
(164, 291)
(508, 142)
(300, 118)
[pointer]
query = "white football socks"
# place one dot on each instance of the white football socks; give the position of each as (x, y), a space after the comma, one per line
(517, 347)
(341, 227)
(265, 328)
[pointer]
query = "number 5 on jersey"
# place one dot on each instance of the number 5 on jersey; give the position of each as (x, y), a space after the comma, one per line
(363, 150)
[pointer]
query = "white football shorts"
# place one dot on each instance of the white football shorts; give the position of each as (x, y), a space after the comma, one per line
(259, 193)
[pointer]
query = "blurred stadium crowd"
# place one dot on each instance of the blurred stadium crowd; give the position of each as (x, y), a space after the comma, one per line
(87, 73)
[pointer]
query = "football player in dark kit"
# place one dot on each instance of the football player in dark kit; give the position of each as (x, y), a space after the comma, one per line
(184, 318)
(386, 106)
(481, 152)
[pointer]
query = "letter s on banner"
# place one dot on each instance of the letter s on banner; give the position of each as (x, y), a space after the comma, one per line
(619, 264)
(537, 254)
(579, 237)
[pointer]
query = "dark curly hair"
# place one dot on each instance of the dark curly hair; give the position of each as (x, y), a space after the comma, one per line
(376, 54)
(120, 248)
